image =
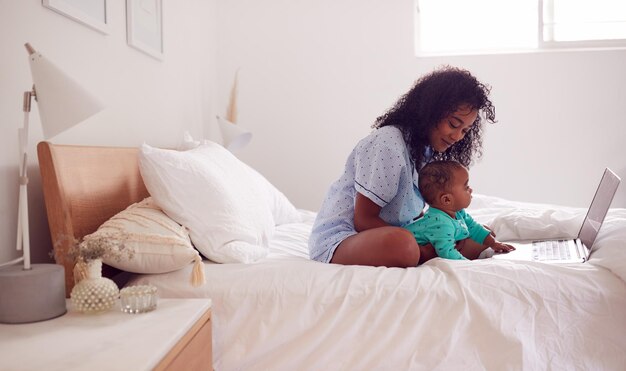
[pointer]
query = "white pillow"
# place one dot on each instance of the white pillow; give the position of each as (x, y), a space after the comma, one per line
(207, 190)
(158, 243)
(282, 209)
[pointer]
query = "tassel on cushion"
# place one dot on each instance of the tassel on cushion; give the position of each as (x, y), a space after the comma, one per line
(197, 275)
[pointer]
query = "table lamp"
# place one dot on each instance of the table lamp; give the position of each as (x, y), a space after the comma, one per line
(234, 137)
(36, 292)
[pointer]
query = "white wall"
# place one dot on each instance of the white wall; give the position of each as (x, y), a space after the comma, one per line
(147, 100)
(314, 75)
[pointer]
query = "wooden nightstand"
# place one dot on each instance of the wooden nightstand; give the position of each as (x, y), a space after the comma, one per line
(175, 336)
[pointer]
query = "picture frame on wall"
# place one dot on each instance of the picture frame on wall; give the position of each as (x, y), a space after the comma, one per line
(144, 26)
(91, 13)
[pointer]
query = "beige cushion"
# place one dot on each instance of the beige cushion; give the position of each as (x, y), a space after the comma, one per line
(159, 244)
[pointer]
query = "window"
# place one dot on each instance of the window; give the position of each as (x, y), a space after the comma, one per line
(484, 26)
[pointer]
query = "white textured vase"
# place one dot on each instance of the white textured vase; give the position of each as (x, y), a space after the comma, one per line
(94, 293)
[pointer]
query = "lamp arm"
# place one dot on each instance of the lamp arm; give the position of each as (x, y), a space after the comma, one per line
(22, 224)
(23, 232)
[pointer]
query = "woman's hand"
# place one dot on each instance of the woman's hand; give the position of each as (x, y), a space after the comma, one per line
(502, 247)
(496, 245)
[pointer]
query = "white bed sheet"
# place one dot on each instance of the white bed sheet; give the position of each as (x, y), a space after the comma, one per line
(287, 312)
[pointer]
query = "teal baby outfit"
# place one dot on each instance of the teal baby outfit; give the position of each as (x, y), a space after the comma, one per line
(442, 231)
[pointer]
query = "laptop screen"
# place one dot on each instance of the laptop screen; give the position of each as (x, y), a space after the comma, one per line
(599, 207)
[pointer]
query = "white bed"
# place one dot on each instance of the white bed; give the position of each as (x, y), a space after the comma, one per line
(286, 312)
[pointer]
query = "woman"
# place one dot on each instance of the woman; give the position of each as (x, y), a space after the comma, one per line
(360, 220)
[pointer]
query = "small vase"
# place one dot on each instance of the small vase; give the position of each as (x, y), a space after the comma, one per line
(94, 293)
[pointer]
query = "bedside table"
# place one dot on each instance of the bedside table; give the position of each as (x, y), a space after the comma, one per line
(175, 336)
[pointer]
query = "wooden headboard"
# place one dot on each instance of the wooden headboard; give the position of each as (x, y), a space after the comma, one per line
(84, 186)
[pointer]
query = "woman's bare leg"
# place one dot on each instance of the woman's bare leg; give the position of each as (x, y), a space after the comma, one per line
(427, 252)
(384, 246)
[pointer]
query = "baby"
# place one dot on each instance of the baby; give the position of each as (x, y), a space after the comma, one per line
(452, 231)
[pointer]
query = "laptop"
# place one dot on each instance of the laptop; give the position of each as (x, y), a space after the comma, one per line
(571, 250)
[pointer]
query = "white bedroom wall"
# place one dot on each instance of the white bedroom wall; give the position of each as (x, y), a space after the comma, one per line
(147, 100)
(314, 75)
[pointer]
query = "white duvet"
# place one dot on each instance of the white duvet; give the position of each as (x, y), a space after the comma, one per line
(289, 313)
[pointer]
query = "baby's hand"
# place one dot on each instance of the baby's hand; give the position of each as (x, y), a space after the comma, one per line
(502, 247)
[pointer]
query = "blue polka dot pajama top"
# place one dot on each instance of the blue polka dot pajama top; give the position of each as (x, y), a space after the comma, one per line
(380, 168)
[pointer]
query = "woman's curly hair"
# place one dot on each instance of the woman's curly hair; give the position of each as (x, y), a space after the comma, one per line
(433, 97)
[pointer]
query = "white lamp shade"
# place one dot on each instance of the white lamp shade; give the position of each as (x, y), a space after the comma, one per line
(233, 136)
(62, 102)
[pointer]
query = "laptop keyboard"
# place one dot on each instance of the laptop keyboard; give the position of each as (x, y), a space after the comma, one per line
(551, 250)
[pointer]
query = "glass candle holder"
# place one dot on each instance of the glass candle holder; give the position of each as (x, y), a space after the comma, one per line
(138, 299)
